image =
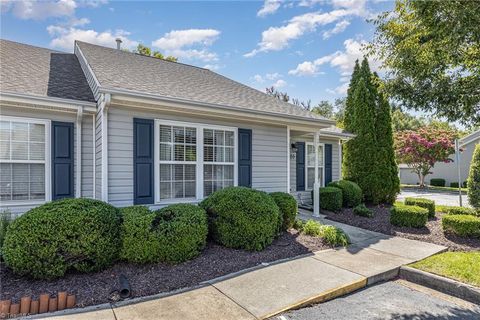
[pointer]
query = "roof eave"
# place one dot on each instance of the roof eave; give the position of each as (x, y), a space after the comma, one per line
(47, 101)
(160, 98)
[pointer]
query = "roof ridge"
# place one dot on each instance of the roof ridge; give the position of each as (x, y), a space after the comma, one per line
(141, 55)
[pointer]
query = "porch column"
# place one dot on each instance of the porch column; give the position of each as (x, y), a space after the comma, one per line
(316, 184)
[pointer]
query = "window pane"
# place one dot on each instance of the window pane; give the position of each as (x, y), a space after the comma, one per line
(229, 154)
(5, 172)
(5, 150)
(178, 172)
(207, 188)
(229, 138)
(179, 134)
(165, 152)
(191, 135)
(165, 172)
(229, 172)
(208, 172)
(37, 151)
(37, 132)
(165, 190)
(310, 155)
(310, 177)
(320, 156)
(190, 172)
(178, 189)
(219, 138)
(19, 131)
(208, 154)
(5, 190)
(179, 150)
(190, 153)
(5, 130)
(190, 189)
(19, 150)
(165, 134)
(219, 154)
(37, 181)
(208, 137)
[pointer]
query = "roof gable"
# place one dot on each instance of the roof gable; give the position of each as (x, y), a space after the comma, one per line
(38, 71)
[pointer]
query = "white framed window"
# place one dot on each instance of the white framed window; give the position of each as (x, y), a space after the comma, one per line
(24, 160)
(192, 160)
(310, 165)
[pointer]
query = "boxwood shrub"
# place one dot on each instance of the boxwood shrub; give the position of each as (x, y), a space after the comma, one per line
(424, 203)
(241, 217)
(77, 234)
(454, 185)
(408, 216)
(461, 210)
(331, 198)
(437, 182)
(172, 234)
(363, 211)
(351, 192)
(288, 208)
(462, 225)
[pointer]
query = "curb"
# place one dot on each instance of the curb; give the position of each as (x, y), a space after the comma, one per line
(442, 284)
(324, 296)
(383, 276)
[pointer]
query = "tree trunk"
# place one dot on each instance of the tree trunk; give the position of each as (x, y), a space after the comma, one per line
(422, 180)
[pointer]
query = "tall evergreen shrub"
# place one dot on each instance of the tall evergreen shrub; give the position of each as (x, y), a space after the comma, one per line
(473, 182)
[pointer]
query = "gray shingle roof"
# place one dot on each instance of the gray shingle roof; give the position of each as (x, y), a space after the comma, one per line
(37, 71)
(116, 69)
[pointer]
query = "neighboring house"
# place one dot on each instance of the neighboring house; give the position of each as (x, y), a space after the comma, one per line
(129, 129)
(447, 171)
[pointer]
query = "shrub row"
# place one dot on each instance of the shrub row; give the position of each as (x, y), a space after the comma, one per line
(340, 193)
(462, 211)
(462, 225)
(424, 203)
(408, 216)
(437, 182)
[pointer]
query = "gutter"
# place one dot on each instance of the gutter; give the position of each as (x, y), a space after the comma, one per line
(71, 104)
(78, 126)
(155, 97)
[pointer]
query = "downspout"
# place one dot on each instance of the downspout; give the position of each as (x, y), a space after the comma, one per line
(78, 181)
(316, 184)
(94, 194)
(288, 159)
(104, 110)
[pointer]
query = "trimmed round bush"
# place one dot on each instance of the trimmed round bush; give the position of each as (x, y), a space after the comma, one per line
(408, 216)
(462, 225)
(363, 211)
(424, 203)
(454, 184)
(68, 234)
(241, 217)
(288, 208)
(461, 210)
(437, 182)
(351, 192)
(331, 198)
(172, 234)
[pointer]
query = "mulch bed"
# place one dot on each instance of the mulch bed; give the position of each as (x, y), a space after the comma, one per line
(149, 279)
(432, 232)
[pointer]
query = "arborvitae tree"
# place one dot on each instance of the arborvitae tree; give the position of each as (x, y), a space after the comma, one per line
(348, 122)
(473, 182)
(386, 167)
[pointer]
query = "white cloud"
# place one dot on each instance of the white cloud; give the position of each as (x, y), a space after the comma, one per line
(273, 76)
(269, 7)
(277, 38)
(310, 68)
(341, 89)
(212, 67)
(258, 78)
(339, 28)
(179, 42)
(279, 83)
(39, 10)
(64, 37)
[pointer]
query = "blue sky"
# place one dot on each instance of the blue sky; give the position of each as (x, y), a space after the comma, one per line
(306, 48)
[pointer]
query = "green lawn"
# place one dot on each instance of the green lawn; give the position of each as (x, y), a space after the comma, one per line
(461, 266)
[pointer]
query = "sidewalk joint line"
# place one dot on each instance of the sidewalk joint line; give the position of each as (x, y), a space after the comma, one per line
(235, 302)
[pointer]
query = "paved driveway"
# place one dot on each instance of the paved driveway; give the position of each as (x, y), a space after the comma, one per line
(390, 300)
(440, 197)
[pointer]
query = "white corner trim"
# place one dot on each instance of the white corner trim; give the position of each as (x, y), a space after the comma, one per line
(78, 147)
(94, 195)
(316, 184)
(104, 110)
(288, 159)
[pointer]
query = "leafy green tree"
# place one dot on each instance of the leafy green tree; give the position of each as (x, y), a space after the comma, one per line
(402, 121)
(386, 167)
(473, 182)
(340, 111)
(324, 108)
(146, 51)
(431, 50)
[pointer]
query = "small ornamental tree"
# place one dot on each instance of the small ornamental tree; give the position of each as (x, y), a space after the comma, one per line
(473, 182)
(421, 149)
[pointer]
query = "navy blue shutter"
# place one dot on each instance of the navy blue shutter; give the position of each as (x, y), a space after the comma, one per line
(328, 163)
(300, 166)
(143, 190)
(245, 157)
(62, 160)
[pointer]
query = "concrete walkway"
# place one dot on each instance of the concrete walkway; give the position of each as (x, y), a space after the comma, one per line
(269, 290)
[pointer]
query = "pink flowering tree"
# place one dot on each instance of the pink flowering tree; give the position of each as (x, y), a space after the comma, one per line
(421, 149)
